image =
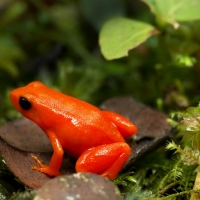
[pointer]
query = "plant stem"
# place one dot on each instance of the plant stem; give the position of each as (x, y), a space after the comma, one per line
(168, 187)
(196, 196)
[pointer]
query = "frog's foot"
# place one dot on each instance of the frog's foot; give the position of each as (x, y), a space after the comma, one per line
(106, 160)
(43, 168)
(124, 126)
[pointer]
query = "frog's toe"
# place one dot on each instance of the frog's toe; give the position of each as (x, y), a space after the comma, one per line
(46, 170)
(38, 161)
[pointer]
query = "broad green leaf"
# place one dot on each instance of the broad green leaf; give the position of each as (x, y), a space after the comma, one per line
(172, 11)
(119, 35)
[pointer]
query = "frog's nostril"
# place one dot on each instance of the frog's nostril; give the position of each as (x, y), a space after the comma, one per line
(13, 98)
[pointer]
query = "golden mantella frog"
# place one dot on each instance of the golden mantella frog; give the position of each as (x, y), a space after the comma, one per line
(76, 127)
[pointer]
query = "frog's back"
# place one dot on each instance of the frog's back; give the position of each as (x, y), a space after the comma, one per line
(78, 124)
(82, 124)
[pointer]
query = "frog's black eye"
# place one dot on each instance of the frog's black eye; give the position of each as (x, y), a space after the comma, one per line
(24, 103)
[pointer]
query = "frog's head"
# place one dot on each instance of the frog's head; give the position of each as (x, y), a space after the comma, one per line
(27, 100)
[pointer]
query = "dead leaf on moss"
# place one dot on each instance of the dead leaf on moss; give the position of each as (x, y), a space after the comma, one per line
(20, 163)
(25, 135)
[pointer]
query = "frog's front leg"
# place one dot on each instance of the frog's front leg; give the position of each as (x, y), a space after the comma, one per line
(106, 160)
(124, 126)
(56, 159)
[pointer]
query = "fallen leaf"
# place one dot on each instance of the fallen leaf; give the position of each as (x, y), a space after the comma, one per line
(20, 163)
(25, 135)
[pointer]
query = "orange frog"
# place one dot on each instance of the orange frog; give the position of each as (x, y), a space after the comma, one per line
(80, 129)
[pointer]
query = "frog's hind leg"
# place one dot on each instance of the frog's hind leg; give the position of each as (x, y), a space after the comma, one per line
(124, 126)
(106, 160)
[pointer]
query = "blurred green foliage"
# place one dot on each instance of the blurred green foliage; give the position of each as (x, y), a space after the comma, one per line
(52, 41)
(58, 43)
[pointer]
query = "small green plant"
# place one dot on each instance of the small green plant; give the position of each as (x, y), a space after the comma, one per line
(163, 175)
(189, 149)
(119, 35)
(158, 176)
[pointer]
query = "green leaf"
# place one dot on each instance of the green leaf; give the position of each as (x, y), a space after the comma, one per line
(172, 11)
(119, 35)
